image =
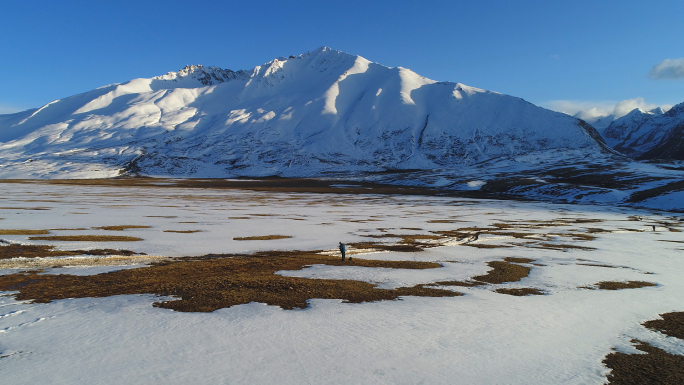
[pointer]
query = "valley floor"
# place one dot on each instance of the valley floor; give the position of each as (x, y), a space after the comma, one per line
(440, 290)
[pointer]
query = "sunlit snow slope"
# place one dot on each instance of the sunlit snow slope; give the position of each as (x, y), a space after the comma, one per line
(321, 111)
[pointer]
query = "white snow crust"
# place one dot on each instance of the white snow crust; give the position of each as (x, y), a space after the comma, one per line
(482, 337)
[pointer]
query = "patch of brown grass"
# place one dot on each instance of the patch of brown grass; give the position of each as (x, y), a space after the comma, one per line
(503, 271)
(561, 247)
(484, 245)
(213, 282)
(576, 236)
(87, 238)
(25, 208)
(183, 231)
(518, 260)
(120, 227)
(43, 251)
(520, 292)
(444, 221)
(612, 285)
(655, 367)
(32, 251)
(262, 237)
(598, 265)
(671, 324)
(459, 283)
(23, 232)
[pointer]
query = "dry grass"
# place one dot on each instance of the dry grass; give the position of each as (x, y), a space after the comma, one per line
(485, 245)
(561, 247)
(611, 285)
(43, 251)
(576, 236)
(654, 367)
(87, 238)
(262, 237)
(521, 292)
(32, 251)
(23, 232)
(183, 231)
(459, 283)
(671, 324)
(212, 282)
(120, 227)
(265, 184)
(25, 208)
(597, 264)
(505, 271)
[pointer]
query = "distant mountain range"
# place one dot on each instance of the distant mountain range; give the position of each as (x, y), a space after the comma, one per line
(649, 134)
(319, 112)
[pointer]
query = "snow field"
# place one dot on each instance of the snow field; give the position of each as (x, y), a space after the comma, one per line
(482, 337)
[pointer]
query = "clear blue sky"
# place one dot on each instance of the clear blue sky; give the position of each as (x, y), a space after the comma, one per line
(596, 51)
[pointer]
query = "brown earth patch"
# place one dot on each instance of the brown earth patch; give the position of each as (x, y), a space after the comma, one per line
(32, 251)
(25, 208)
(406, 248)
(262, 237)
(459, 283)
(444, 221)
(120, 227)
(23, 232)
(520, 292)
(183, 231)
(655, 367)
(560, 246)
(518, 260)
(212, 282)
(598, 265)
(671, 324)
(73, 229)
(504, 271)
(43, 251)
(484, 245)
(87, 238)
(576, 236)
(611, 285)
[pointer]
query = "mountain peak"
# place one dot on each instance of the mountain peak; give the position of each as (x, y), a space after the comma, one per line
(205, 75)
(325, 110)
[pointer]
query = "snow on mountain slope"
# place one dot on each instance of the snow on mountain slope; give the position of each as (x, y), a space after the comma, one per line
(639, 133)
(321, 111)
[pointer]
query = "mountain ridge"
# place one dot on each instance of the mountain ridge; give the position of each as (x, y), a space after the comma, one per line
(321, 111)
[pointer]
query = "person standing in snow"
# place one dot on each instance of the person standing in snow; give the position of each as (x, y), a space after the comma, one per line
(343, 250)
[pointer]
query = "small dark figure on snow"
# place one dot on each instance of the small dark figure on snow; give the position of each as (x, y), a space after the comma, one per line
(343, 250)
(653, 228)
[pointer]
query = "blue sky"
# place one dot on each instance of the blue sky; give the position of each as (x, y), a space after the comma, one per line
(582, 53)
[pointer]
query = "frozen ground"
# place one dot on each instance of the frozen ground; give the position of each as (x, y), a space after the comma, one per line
(481, 337)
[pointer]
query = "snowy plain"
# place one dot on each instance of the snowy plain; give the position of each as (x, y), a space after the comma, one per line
(481, 337)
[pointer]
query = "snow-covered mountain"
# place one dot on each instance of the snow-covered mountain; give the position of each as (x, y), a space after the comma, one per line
(648, 134)
(304, 115)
